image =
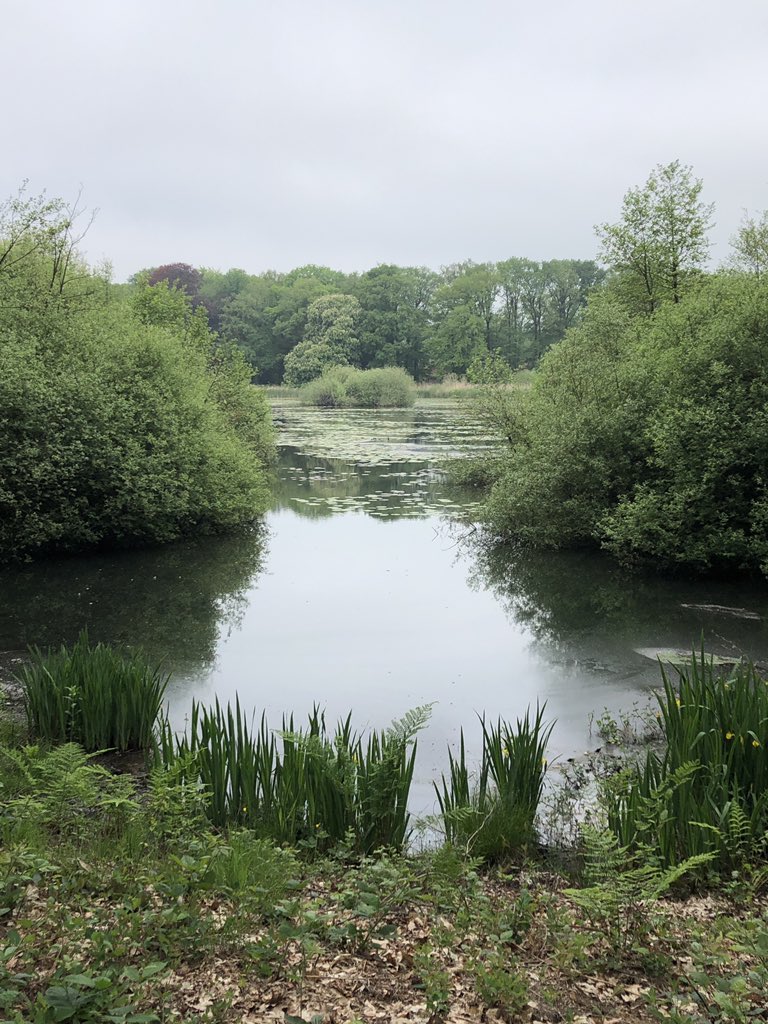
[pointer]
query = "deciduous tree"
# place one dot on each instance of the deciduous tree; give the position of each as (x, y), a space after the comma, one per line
(661, 241)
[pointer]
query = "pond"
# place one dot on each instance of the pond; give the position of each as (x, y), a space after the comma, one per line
(368, 589)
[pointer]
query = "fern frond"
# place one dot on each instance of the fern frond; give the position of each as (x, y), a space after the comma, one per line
(412, 722)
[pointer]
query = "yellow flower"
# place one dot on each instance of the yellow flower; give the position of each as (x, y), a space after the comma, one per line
(677, 701)
(729, 735)
(505, 752)
(755, 743)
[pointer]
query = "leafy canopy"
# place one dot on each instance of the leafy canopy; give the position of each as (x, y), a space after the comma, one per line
(122, 422)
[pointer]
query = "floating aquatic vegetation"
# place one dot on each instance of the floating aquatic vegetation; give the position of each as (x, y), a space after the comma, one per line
(383, 463)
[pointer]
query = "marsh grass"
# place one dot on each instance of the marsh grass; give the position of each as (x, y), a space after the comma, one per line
(97, 696)
(494, 817)
(708, 791)
(306, 787)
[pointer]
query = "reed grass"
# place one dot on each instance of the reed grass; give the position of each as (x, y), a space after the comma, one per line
(708, 791)
(302, 787)
(97, 696)
(494, 817)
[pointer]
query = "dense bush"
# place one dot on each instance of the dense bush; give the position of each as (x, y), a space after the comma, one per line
(340, 386)
(329, 390)
(648, 435)
(121, 423)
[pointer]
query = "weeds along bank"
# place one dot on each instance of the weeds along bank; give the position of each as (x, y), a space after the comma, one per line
(172, 899)
(123, 421)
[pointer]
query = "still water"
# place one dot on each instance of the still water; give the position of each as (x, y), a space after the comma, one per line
(368, 589)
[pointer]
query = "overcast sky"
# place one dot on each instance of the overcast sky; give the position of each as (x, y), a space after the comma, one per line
(271, 134)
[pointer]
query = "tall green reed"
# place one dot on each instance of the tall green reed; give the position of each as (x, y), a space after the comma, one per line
(306, 786)
(708, 791)
(97, 696)
(494, 816)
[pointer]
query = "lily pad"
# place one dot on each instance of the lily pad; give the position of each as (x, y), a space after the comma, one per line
(678, 657)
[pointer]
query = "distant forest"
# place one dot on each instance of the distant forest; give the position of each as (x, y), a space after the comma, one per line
(289, 325)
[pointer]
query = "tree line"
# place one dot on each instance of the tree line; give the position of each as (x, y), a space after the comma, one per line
(291, 326)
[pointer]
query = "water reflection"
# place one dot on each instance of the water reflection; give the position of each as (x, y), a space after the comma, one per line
(365, 600)
(317, 487)
(176, 602)
(583, 607)
(430, 432)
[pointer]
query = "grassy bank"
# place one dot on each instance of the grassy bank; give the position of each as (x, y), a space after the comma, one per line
(163, 896)
(451, 388)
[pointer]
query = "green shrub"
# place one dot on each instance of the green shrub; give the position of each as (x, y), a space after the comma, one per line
(478, 473)
(495, 818)
(96, 696)
(60, 793)
(501, 986)
(619, 895)
(123, 422)
(341, 386)
(387, 387)
(647, 435)
(245, 863)
(330, 390)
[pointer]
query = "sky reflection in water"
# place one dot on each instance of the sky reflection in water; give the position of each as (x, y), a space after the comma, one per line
(367, 590)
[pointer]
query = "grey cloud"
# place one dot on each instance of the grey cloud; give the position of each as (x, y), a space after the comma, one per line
(262, 135)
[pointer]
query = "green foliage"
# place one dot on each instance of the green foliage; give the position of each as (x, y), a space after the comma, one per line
(619, 896)
(719, 986)
(314, 789)
(500, 986)
(343, 386)
(381, 388)
(429, 323)
(60, 793)
(84, 996)
(246, 866)
(122, 422)
(435, 980)
(329, 390)
(648, 436)
(330, 339)
(708, 793)
(750, 245)
(495, 818)
(661, 241)
(96, 696)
